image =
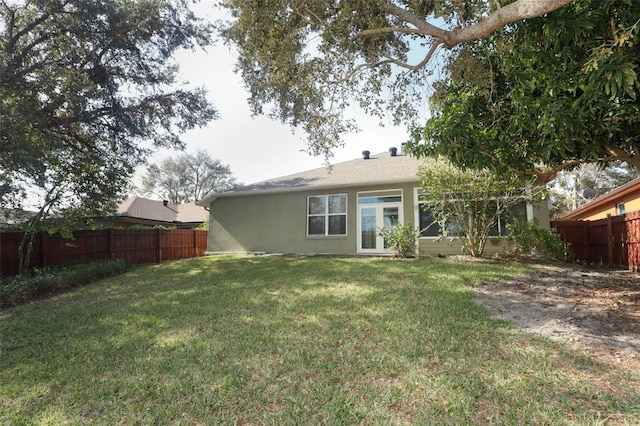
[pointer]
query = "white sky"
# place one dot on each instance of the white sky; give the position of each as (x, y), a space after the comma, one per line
(258, 148)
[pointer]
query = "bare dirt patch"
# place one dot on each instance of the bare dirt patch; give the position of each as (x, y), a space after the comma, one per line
(593, 310)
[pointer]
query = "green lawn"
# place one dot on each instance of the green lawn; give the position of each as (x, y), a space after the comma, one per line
(280, 341)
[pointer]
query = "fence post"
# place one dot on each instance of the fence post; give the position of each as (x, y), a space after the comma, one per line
(159, 247)
(110, 243)
(587, 238)
(631, 241)
(610, 240)
(43, 256)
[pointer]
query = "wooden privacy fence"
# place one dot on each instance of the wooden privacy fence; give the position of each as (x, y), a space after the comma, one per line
(613, 241)
(132, 245)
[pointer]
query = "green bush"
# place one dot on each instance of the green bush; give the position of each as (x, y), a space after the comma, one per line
(401, 238)
(528, 238)
(48, 281)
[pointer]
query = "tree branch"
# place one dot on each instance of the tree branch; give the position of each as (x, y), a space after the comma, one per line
(621, 154)
(31, 26)
(545, 176)
(397, 62)
(517, 11)
(514, 12)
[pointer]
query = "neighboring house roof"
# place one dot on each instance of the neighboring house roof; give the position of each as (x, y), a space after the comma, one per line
(159, 211)
(377, 169)
(11, 217)
(601, 202)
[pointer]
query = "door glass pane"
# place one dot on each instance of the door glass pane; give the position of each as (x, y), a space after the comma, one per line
(390, 217)
(368, 223)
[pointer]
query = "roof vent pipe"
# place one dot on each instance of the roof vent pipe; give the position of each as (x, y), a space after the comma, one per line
(165, 203)
(365, 155)
(393, 151)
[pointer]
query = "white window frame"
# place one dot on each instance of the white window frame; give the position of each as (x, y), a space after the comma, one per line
(379, 193)
(326, 215)
(621, 209)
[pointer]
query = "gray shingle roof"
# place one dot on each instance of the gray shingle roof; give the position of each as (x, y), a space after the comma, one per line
(379, 168)
(144, 208)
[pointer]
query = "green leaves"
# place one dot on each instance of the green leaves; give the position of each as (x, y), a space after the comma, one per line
(187, 178)
(543, 95)
(308, 63)
(468, 203)
(86, 89)
(401, 238)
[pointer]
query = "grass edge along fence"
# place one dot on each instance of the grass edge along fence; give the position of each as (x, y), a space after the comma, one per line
(613, 241)
(133, 246)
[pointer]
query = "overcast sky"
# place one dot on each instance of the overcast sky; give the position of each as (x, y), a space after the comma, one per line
(258, 148)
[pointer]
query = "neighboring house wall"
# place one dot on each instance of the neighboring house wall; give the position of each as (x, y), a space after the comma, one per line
(619, 205)
(277, 222)
(624, 199)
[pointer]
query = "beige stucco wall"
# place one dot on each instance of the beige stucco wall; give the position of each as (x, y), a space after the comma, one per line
(277, 223)
(234, 224)
(541, 213)
(453, 246)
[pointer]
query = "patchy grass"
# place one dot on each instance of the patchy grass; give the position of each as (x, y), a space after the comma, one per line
(268, 340)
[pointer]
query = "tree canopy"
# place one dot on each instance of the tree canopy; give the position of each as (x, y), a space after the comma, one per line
(543, 95)
(187, 177)
(308, 62)
(86, 89)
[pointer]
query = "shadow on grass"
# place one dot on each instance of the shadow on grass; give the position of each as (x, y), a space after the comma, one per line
(268, 339)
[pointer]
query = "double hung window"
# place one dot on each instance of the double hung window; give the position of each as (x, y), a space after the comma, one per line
(515, 213)
(429, 227)
(327, 215)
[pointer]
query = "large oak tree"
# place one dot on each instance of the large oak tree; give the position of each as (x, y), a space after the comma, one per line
(87, 88)
(308, 61)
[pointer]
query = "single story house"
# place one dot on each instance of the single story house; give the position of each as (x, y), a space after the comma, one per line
(143, 211)
(330, 210)
(623, 199)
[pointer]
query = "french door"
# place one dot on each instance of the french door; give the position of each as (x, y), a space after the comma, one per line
(372, 218)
